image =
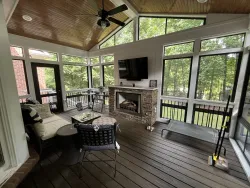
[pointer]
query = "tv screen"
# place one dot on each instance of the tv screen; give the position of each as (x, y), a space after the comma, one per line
(133, 69)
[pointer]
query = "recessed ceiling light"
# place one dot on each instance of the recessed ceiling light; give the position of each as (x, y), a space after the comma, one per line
(27, 18)
(202, 1)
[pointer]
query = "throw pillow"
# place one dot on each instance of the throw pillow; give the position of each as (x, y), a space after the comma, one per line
(30, 115)
(42, 109)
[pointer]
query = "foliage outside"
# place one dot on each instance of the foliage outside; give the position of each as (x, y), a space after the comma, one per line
(179, 49)
(75, 77)
(125, 35)
(109, 78)
(95, 72)
(49, 78)
(176, 77)
(234, 41)
(176, 24)
(216, 76)
(110, 42)
(108, 59)
(152, 27)
(73, 59)
(94, 60)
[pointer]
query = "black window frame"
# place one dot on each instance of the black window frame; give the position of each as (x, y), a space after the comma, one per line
(25, 74)
(190, 71)
(240, 54)
(113, 35)
(168, 17)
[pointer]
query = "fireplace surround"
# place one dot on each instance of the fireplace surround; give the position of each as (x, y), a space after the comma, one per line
(133, 103)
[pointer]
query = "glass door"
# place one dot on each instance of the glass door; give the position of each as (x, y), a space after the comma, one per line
(48, 85)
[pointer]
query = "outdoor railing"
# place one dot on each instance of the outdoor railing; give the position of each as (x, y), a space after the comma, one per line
(74, 97)
(175, 110)
(211, 115)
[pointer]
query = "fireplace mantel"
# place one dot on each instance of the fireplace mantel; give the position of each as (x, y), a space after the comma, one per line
(148, 104)
(129, 87)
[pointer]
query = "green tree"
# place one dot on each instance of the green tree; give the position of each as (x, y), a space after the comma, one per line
(74, 59)
(75, 77)
(109, 75)
(95, 72)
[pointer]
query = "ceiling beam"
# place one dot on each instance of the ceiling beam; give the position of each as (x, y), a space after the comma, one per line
(131, 12)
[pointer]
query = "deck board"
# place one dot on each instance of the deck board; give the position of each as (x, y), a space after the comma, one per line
(145, 160)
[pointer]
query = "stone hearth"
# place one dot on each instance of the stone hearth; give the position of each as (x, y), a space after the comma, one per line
(148, 104)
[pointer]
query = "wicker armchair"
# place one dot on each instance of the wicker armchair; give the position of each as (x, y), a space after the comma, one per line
(97, 138)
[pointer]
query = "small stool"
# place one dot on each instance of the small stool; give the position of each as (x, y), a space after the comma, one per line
(104, 121)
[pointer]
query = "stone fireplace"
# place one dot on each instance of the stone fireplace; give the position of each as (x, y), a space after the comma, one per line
(133, 103)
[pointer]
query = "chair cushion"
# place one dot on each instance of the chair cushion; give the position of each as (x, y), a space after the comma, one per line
(104, 121)
(49, 127)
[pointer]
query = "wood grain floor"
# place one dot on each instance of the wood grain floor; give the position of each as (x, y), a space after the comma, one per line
(145, 160)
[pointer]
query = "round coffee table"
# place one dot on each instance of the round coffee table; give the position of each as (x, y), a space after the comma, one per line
(68, 143)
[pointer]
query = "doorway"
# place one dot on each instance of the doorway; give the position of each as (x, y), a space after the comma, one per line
(47, 84)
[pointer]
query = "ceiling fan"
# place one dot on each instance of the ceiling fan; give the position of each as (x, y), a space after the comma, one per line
(105, 16)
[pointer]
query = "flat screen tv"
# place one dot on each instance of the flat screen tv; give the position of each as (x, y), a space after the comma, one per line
(133, 69)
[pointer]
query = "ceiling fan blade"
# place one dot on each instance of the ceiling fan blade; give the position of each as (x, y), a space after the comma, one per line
(116, 21)
(118, 10)
(93, 4)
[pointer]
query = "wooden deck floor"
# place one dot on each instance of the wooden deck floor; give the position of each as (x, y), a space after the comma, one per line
(145, 160)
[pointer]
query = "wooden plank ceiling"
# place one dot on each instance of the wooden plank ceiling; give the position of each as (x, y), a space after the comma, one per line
(56, 21)
(191, 6)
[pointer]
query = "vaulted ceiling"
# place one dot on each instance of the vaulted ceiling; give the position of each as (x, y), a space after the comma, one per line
(191, 6)
(56, 21)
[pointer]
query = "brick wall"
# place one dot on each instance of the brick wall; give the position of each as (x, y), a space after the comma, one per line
(20, 75)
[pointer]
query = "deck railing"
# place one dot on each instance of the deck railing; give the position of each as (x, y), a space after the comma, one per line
(210, 115)
(175, 110)
(74, 97)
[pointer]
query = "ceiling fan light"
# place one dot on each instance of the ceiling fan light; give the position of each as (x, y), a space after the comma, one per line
(103, 23)
(202, 1)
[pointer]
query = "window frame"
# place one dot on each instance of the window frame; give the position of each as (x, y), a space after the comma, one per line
(236, 77)
(190, 71)
(25, 74)
(113, 35)
(167, 17)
